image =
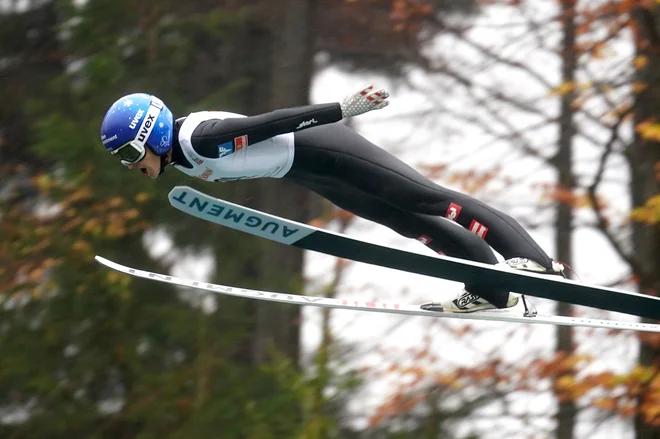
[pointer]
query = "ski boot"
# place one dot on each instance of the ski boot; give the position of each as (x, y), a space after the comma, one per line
(466, 301)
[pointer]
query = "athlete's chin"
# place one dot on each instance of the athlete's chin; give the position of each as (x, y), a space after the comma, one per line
(148, 172)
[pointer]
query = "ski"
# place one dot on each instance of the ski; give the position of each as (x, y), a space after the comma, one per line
(284, 231)
(377, 307)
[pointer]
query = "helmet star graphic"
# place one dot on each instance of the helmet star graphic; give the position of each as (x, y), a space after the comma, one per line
(128, 103)
(161, 125)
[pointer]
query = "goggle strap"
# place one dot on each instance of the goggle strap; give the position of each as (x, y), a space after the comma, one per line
(148, 123)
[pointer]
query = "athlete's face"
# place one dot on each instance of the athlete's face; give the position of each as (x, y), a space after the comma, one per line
(149, 165)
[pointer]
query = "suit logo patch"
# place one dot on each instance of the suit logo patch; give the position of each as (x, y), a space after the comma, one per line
(478, 229)
(241, 142)
(453, 211)
(225, 149)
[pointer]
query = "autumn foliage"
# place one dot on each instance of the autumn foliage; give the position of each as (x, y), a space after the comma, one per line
(610, 103)
(624, 395)
(35, 242)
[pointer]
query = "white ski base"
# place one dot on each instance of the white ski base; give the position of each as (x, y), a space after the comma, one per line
(379, 307)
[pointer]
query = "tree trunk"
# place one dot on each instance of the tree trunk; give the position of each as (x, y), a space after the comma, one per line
(290, 67)
(33, 57)
(564, 221)
(643, 155)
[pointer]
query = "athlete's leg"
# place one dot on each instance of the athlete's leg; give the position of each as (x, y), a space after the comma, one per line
(438, 233)
(337, 154)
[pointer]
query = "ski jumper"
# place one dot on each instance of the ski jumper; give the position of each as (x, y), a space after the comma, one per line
(307, 146)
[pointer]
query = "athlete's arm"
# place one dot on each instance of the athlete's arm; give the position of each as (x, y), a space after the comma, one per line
(213, 132)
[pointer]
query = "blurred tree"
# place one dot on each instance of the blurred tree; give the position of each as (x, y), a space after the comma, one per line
(88, 353)
(604, 94)
(563, 161)
(643, 155)
(385, 36)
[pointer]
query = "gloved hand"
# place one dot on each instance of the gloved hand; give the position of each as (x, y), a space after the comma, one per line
(364, 101)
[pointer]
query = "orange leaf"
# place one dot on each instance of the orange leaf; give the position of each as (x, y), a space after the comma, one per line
(649, 130)
(651, 411)
(640, 62)
(638, 87)
(562, 89)
(605, 403)
(132, 214)
(565, 382)
(142, 197)
(116, 202)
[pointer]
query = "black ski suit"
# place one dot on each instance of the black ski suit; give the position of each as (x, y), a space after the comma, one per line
(354, 174)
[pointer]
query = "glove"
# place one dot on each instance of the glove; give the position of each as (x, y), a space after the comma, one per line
(364, 101)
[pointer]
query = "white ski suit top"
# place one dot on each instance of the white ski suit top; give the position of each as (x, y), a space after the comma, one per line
(224, 146)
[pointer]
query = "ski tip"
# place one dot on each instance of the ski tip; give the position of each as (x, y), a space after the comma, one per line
(177, 190)
(108, 263)
(101, 260)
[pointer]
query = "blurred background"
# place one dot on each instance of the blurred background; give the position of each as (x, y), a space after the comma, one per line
(547, 110)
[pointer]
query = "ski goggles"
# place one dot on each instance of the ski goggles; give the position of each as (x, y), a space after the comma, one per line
(132, 152)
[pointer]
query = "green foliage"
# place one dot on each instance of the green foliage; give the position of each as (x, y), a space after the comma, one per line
(91, 353)
(88, 353)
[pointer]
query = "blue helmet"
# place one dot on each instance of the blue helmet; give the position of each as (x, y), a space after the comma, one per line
(134, 121)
